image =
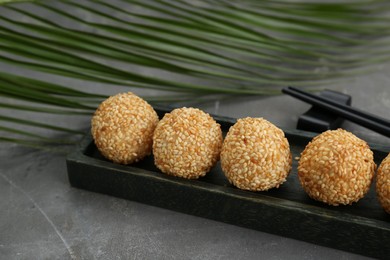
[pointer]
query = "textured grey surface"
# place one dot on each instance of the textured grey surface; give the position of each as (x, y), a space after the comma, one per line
(42, 217)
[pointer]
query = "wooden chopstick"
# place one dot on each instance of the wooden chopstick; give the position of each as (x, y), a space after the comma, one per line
(367, 120)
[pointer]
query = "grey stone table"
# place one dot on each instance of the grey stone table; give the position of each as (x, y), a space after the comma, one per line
(43, 217)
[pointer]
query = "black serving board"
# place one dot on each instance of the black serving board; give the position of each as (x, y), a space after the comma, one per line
(362, 228)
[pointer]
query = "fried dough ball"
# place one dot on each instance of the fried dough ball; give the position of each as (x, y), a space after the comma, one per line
(122, 128)
(383, 184)
(255, 155)
(336, 168)
(187, 143)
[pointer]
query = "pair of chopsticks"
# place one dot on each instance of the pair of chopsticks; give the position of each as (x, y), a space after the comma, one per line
(370, 121)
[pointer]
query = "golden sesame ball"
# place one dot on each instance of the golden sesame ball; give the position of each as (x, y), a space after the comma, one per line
(383, 184)
(187, 143)
(255, 155)
(122, 128)
(336, 168)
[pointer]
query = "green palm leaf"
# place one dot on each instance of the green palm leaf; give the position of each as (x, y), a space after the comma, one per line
(198, 49)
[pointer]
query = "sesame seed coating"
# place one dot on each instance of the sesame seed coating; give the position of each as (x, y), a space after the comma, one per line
(336, 168)
(187, 143)
(255, 155)
(122, 128)
(383, 184)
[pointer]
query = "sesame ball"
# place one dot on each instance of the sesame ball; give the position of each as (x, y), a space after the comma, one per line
(122, 128)
(255, 155)
(383, 184)
(336, 167)
(187, 143)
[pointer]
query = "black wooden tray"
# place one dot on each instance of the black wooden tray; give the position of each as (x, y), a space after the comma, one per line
(362, 228)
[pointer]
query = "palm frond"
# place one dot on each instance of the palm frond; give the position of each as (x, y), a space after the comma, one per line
(186, 50)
